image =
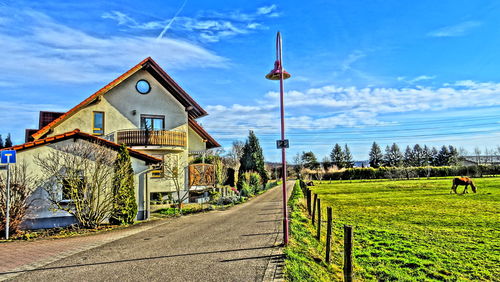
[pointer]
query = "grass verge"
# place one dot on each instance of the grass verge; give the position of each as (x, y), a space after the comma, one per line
(304, 255)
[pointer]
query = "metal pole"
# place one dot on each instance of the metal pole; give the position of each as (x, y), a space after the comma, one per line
(7, 213)
(283, 149)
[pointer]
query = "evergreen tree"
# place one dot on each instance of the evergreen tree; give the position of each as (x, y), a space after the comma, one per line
(337, 156)
(434, 157)
(443, 156)
(253, 158)
(427, 155)
(454, 156)
(418, 156)
(408, 159)
(1, 142)
(376, 156)
(124, 206)
(8, 141)
(348, 162)
(393, 156)
(310, 160)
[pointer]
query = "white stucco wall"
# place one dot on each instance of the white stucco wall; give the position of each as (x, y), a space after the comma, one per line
(43, 209)
(119, 105)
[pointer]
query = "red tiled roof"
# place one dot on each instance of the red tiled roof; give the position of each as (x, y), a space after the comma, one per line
(151, 66)
(82, 135)
(211, 143)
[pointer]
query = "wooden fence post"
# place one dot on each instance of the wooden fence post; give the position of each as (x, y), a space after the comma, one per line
(328, 233)
(309, 201)
(314, 207)
(347, 253)
(318, 234)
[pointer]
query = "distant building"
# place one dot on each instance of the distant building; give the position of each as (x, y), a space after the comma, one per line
(361, 164)
(481, 160)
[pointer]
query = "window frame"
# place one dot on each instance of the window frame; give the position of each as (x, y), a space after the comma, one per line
(66, 200)
(95, 129)
(153, 117)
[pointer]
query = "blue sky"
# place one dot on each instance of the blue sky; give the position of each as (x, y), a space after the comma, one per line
(388, 71)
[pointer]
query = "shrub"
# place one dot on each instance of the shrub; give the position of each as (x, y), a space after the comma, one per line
(412, 172)
(246, 190)
(124, 204)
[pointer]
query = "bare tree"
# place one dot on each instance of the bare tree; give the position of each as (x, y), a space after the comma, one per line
(320, 173)
(22, 185)
(233, 158)
(79, 179)
(298, 165)
(477, 154)
(174, 172)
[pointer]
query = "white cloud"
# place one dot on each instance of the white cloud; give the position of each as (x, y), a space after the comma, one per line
(58, 53)
(416, 79)
(460, 29)
(120, 17)
(26, 116)
(266, 10)
(331, 106)
(351, 59)
(206, 26)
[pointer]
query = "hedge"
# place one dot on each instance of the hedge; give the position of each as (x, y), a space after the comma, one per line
(412, 172)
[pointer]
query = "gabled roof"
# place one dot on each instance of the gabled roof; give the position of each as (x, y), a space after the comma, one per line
(211, 143)
(85, 136)
(156, 71)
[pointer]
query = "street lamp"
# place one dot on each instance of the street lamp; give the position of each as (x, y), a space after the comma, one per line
(278, 73)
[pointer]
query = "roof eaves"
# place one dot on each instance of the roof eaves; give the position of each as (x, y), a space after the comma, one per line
(87, 101)
(78, 134)
(211, 142)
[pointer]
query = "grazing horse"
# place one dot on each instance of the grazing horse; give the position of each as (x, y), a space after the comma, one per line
(462, 181)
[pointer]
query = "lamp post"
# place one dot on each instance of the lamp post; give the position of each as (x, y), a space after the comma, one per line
(278, 73)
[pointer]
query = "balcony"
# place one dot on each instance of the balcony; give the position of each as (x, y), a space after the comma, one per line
(139, 137)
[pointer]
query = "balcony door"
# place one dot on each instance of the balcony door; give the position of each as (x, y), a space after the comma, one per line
(152, 122)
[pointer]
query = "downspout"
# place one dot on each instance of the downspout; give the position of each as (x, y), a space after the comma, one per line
(146, 203)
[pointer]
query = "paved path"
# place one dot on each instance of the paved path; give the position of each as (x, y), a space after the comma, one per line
(233, 245)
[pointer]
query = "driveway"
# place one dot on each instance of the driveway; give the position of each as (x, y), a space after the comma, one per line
(233, 245)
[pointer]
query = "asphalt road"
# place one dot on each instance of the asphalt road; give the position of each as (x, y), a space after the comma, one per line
(232, 245)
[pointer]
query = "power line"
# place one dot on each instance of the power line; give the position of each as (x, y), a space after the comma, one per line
(353, 131)
(455, 120)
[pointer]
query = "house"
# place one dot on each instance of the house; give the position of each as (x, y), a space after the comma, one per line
(146, 110)
(481, 160)
(42, 213)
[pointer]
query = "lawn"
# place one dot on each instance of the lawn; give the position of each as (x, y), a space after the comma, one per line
(416, 230)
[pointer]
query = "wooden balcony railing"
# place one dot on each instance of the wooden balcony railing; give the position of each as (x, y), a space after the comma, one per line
(151, 137)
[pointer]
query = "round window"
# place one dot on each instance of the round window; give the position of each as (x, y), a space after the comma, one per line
(143, 86)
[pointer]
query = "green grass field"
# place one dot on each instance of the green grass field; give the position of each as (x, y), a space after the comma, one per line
(414, 230)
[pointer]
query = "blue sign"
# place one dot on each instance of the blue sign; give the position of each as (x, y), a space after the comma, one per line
(8, 157)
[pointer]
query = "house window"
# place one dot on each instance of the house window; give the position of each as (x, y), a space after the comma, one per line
(152, 122)
(98, 123)
(158, 170)
(142, 86)
(68, 184)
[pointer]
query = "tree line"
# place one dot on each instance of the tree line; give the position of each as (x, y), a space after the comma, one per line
(415, 156)
(7, 143)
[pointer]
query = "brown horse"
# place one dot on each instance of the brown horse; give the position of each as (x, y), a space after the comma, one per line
(462, 181)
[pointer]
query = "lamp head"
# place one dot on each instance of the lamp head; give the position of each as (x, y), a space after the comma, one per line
(275, 73)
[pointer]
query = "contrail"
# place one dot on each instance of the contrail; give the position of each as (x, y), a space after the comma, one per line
(171, 21)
